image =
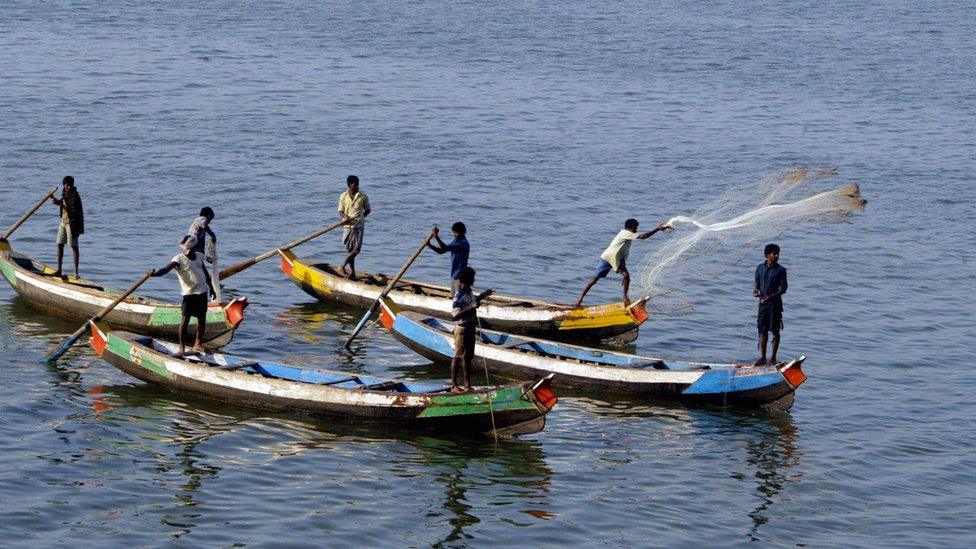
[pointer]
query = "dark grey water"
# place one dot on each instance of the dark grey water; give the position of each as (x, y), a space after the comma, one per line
(542, 127)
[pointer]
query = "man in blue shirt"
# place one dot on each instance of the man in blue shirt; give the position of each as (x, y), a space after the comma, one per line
(458, 247)
(770, 287)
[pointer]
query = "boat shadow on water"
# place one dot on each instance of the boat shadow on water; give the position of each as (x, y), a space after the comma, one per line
(456, 464)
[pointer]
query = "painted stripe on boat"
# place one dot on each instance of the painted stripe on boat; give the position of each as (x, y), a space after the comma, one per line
(731, 381)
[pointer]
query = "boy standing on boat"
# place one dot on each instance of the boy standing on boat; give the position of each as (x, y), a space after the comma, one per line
(464, 311)
(615, 256)
(353, 208)
(200, 228)
(459, 249)
(72, 221)
(194, 285)
(770, 287)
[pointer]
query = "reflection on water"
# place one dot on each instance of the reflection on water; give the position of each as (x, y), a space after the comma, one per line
(776, 458)
(518, 464)
(510, 471)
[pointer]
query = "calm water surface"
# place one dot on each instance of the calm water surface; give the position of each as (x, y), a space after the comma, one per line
(542, 127)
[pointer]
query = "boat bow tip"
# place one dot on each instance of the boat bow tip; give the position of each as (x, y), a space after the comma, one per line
(235, 311)
(543, 392)
(98, 339)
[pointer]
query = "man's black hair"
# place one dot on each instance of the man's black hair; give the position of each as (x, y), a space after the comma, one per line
(207, 212)
(69, 180)
(351, 180)
(466, 276)
(631, 224)
(459, 228)
(770, 248)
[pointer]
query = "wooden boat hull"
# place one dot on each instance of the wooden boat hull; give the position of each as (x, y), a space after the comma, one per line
(518, 408)
(587, 369)
(80, 300)
(619, 321)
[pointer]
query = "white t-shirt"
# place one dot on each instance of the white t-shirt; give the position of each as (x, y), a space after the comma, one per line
(191, 275)
(619, 248)
(199, 229)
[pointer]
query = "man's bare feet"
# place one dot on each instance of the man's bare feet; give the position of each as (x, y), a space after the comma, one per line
(760, 362)
(351, 276)
(467, 389)
(455, 390)
(199, 349)
(57, 274)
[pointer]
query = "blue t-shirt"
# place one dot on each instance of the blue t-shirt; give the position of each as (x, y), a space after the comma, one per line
(463, 297)
(769, 280)
(459, 249)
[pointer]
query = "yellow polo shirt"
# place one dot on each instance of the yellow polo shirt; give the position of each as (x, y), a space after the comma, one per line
(619, 248)
(354, 207)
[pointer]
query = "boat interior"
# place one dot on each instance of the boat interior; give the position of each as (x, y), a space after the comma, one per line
(432, 290)
(341, 380)
(562, 351)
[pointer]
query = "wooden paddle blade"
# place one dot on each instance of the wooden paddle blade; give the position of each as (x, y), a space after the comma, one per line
(68, 343)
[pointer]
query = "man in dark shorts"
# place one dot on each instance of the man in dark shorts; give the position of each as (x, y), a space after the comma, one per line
(770, 286)
(464, 311)
(72, 221)
(194, 284)
(614, 258)
(459, 249)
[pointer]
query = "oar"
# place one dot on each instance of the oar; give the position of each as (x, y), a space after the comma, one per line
(231, 271)
(216, 274)
(73, 338)
(393, 281)
(29, 213)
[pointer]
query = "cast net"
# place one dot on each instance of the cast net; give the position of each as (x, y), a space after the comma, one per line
(729, 229)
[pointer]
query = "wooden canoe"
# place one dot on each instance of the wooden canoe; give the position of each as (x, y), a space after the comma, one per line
(513, 409)
(499, 312)
(80, 299)
(582, 368)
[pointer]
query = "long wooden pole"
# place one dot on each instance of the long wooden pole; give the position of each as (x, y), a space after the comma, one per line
(216, 274)
(73, 338)
(29, 213)
(233, 270)
(389, 286)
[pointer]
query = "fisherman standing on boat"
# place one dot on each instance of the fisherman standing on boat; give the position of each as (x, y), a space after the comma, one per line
(458, 247)
(770, 287)
(194, 285)
(72, 221)
(464, 311)
(353, 208)
(200, 228)
(615, 256)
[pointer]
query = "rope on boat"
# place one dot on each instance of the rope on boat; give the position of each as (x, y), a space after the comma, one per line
(491, 407)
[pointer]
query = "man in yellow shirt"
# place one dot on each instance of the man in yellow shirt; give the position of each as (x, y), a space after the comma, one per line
(353, 208)
(615, 256)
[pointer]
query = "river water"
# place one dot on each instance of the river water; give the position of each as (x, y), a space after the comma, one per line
(543, 127)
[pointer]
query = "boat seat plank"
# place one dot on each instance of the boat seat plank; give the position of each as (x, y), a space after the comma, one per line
(656, 364)
(397, 386)
(343, 380)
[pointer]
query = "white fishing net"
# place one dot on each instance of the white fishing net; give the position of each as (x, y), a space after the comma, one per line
(729, 229)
